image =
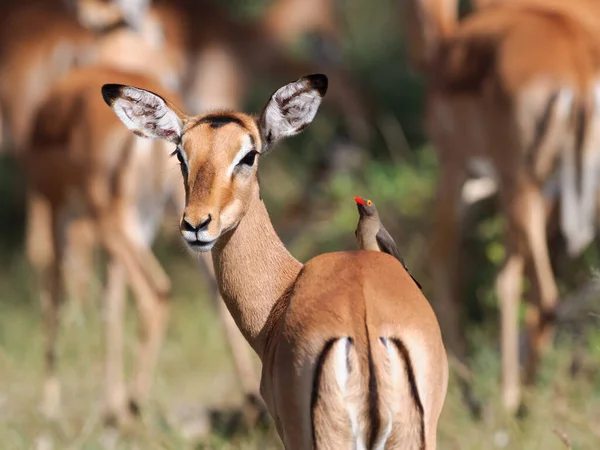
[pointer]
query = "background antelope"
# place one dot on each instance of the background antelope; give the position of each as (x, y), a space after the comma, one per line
(76, 162)
(496, 98)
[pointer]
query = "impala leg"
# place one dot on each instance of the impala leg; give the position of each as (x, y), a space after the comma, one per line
(152, 289)
(508, 285)
(444, 252)
(38, 230)
(77, 253)
(533, 326)
(79, 259)
(239, 348)
(52, 298)
(240, 352)
(541, 322)
(237, 344)
(115, 323)
(41, 238)
(152, 269)
(152, 309)
(445, 273)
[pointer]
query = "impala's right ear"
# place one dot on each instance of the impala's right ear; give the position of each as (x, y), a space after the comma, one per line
(143, 112)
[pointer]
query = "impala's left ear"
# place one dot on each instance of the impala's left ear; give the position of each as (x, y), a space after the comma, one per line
(291, 109)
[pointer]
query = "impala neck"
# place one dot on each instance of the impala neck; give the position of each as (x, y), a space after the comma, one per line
(253, 270)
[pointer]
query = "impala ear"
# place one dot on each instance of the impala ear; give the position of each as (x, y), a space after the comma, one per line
(143, 112)
(291, 109)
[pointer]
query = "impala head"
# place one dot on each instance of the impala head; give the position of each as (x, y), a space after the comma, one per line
(218, 152)
(365, 207)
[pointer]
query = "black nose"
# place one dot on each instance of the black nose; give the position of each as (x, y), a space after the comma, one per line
(186, 225)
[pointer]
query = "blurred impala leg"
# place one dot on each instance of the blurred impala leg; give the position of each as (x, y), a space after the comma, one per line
(445, 273)
(114, 302)
(254, 406)
(52, 299)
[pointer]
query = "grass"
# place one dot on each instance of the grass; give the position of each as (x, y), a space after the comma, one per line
(195, 372)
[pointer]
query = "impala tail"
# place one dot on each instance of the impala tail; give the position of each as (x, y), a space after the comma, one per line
(365, 394)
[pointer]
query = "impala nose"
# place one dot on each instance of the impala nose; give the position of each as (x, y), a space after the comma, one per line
(188, 225)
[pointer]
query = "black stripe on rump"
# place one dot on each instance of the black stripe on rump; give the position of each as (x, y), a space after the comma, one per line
(317, 379)
(410, 374)
(541, 128)
(580, 135)
(374, 419)
(314, 398)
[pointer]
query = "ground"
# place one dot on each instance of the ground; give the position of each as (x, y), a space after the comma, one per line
(195, 373)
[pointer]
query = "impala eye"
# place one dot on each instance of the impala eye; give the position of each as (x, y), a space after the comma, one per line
(179, 156)
(249, 159)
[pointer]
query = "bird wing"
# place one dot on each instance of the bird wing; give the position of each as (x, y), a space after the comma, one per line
(387, 245)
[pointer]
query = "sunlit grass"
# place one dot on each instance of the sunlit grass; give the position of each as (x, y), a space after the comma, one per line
(195, 373)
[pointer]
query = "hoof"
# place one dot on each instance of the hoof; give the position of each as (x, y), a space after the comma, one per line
(118, 420)
(475, 407)
(134, 408)
(522, 412)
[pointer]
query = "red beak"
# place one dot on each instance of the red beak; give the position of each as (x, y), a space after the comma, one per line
(359, 200)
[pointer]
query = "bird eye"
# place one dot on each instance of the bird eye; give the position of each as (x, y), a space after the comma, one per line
(249, 159)
(368, 202)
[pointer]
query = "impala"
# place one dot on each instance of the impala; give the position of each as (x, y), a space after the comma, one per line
(41, 42)
(90, 169)
(351, 351)
(85, 166)
(512, 91)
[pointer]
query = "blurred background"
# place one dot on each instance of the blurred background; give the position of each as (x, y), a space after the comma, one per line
(368, 140)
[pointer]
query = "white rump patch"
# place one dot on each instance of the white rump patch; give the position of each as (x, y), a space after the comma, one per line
(341, 363)
(578, 206)
(394, 368)
(342, 375)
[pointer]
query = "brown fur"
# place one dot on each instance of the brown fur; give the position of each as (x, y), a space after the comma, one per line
(39, 42)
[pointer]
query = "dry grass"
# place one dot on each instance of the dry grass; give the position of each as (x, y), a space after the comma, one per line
(195, 373)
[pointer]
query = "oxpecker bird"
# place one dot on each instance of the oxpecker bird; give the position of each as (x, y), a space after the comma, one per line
(372, 235)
